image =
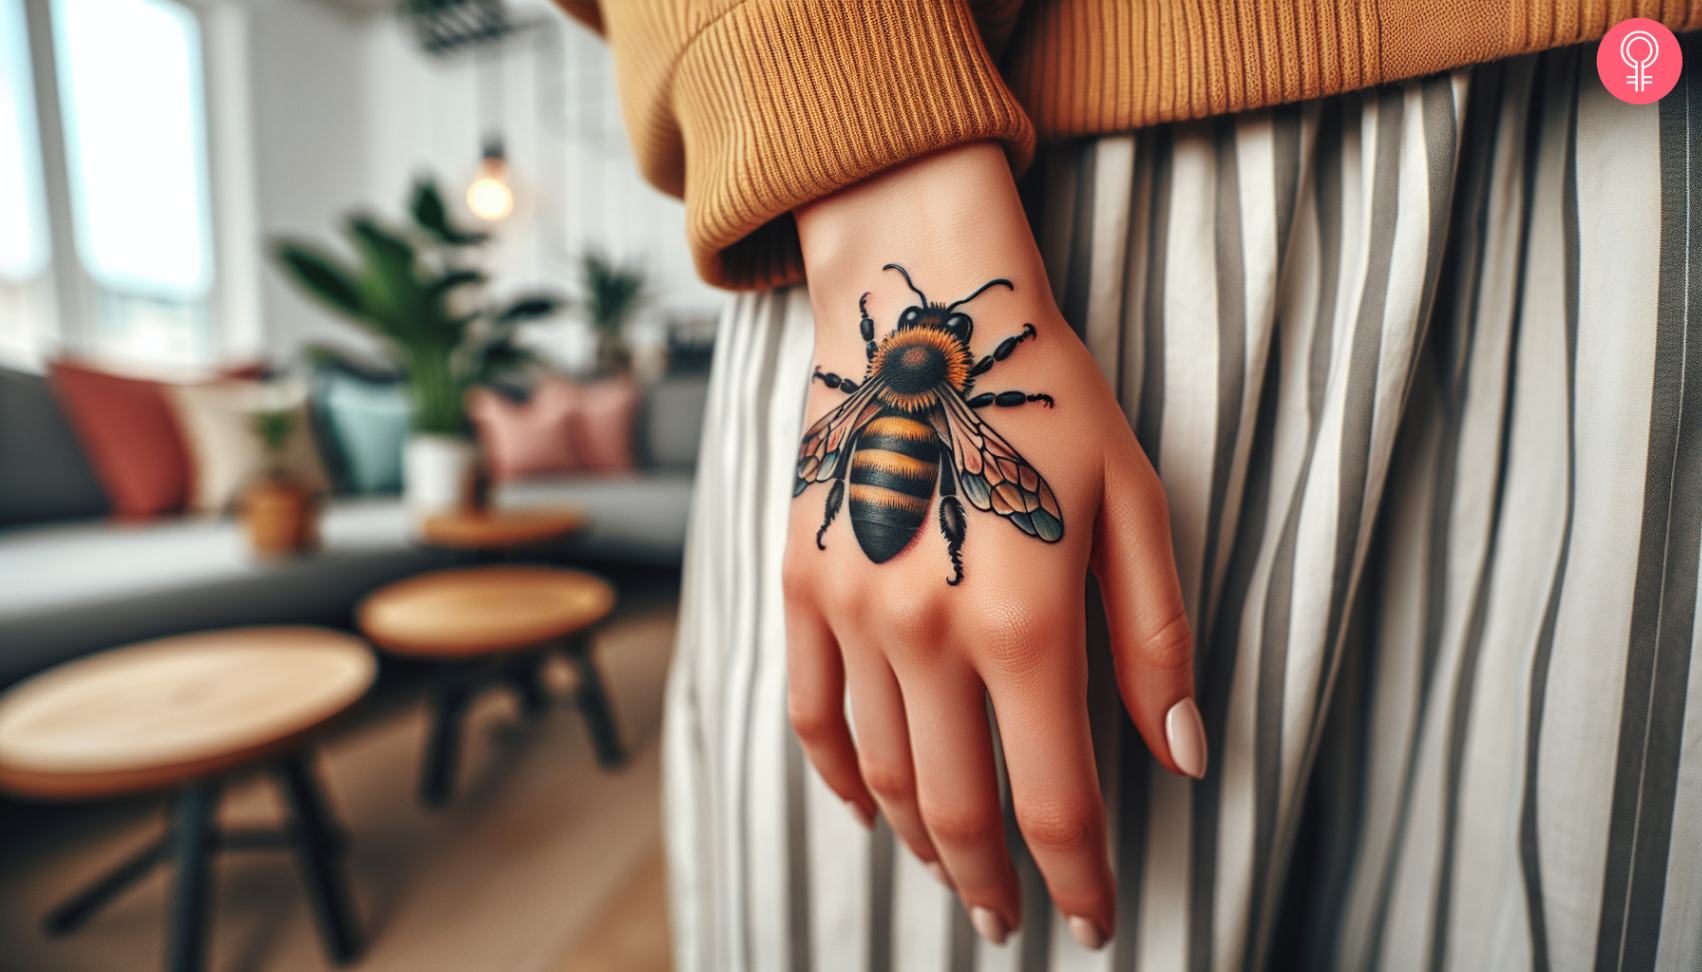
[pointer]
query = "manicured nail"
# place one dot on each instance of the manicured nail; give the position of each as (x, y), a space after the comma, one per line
(1087, 933)
(1187, 738)
(862, 815)
(939, 873)
(988, 925)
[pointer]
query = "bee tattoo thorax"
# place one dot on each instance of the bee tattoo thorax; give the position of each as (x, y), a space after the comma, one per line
(909, 428)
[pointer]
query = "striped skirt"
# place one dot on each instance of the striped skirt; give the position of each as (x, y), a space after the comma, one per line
(1419, 370)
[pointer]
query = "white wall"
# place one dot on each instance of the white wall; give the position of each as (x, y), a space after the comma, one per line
(346, 109)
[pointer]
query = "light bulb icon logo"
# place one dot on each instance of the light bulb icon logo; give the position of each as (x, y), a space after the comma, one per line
(1639, 49)
(1639, 61)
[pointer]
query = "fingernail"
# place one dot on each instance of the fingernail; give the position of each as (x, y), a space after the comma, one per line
(1187, 738)
(1087, 933)
(862, 815)
(939, 873)
(988, 925)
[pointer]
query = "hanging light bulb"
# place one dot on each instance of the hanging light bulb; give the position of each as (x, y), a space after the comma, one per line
(489, 195)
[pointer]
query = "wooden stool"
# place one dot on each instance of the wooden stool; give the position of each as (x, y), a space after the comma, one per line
(181, 713)
(486, 623)
(490, 531)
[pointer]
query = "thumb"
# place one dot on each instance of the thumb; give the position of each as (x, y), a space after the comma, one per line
(1152, 642)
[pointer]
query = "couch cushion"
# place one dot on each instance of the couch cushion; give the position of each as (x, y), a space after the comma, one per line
(70, 589)
(634, 518)
(43, 472)
(73, 588)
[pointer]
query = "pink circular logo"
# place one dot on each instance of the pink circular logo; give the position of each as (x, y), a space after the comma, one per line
(1639, 61)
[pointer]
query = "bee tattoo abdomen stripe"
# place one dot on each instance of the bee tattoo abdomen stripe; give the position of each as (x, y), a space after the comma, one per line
(893, 471)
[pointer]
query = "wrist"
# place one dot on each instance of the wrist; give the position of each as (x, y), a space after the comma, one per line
(953, 219)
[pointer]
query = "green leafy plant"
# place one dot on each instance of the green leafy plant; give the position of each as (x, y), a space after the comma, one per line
(273, 427)
(419, 290)
(610, 293)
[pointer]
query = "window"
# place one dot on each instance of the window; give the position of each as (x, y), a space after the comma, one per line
(133, 241)
(25, 284)
(132, 104)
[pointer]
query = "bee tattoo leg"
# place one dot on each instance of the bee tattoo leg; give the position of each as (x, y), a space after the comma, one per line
(866, 327)
(953, 524)
(835, 496)
(1007, 399)
(1003, 351)
(832, 380)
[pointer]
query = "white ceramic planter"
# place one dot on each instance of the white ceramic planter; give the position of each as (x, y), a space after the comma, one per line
(439, 474)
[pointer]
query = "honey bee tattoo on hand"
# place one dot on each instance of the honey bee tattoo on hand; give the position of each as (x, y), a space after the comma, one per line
(911, 423)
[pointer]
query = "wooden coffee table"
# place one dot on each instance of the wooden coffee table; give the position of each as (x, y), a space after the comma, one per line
(496, 531)
(181, 714)
(485, 624)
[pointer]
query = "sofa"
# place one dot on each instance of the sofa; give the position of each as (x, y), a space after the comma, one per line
(75, 581)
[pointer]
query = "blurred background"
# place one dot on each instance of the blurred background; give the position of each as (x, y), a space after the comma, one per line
(353, 318)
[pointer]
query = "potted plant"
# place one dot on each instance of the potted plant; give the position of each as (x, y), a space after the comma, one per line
(609, 294)
(419, 290)
(278, 512)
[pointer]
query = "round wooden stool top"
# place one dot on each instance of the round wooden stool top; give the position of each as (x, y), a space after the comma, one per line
(499, 529)
(162, 712)
(483, 610)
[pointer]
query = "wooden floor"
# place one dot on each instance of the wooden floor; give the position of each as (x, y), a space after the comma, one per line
(543, 862)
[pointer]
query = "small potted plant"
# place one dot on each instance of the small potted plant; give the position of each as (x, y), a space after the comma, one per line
(610, 293)
(279, 513)
(419, 291)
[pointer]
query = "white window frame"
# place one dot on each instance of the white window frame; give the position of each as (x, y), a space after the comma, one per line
(232, 297)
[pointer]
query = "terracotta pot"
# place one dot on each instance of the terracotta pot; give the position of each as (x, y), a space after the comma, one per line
(281, 518)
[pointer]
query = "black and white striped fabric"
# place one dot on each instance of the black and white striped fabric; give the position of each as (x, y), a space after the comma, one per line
(1421, 369)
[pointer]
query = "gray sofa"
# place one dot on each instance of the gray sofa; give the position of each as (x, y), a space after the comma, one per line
(74, 582)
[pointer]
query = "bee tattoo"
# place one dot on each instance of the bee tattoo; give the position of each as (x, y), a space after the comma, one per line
(911, 423)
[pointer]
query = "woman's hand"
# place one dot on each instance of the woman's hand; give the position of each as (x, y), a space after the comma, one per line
(962, 469)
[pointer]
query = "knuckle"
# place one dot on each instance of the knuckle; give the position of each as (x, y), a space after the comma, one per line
(1015, 640)
(812, 721)
(843, 597)
(1058, 827)
(797, 581)
(914, 621)
(1170, 646)
(961, 826)
(893, 784)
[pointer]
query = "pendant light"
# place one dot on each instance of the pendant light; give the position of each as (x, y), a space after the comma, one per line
(489, 195)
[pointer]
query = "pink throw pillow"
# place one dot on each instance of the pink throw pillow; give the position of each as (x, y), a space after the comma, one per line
(603, 425)
(520, 439)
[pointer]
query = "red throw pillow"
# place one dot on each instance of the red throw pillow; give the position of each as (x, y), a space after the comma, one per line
(603, 425)
(127, 429)
(525, 438)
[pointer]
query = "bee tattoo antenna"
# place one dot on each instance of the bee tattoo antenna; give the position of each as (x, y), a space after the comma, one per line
(1000, 282)
(906, 274)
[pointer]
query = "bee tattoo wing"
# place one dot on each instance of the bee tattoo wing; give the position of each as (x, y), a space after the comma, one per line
(828, 442)
(992, 475)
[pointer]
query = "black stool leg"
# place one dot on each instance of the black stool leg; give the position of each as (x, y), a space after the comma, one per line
(71, 914)
(594, 702)
(437, 778)
(525, 673)
(316, 848)
(193, 844)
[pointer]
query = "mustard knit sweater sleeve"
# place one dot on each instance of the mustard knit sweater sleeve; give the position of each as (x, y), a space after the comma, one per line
(748, 109)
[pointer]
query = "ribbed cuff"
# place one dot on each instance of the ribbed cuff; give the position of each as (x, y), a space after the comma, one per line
(1092, 68)
(783, 102)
